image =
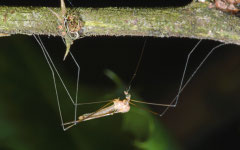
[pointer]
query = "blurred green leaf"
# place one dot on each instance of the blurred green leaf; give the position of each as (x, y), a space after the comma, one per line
(29, 117)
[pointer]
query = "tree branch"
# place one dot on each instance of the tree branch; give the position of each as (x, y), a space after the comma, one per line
(195, 20)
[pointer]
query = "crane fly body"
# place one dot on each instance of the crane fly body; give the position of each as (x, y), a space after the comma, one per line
(116, 106)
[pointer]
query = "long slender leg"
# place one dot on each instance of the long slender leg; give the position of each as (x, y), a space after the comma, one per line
(53, 68)
(88, 117)
(58, 74)
(77, 83)
(175, 100)
(155, 104)
(153, 112)
(53, 74)
(184, 71)
(182, 86)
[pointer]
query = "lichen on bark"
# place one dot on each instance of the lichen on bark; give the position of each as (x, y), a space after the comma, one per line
(195, 20)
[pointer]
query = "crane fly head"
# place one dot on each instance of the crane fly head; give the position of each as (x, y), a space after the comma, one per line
(127, 95)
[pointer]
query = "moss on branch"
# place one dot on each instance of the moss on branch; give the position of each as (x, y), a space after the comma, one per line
(195, 20)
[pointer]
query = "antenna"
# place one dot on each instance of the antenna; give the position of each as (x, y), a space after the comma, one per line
(138, 64)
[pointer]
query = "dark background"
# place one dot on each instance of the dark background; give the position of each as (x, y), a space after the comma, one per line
(207, 116)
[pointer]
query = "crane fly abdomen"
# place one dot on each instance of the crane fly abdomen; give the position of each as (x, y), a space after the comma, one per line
(119, 106)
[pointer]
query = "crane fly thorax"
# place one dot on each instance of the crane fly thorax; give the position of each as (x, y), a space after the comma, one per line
(121, 106)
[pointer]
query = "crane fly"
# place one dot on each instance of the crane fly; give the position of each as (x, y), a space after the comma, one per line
(116, 106)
